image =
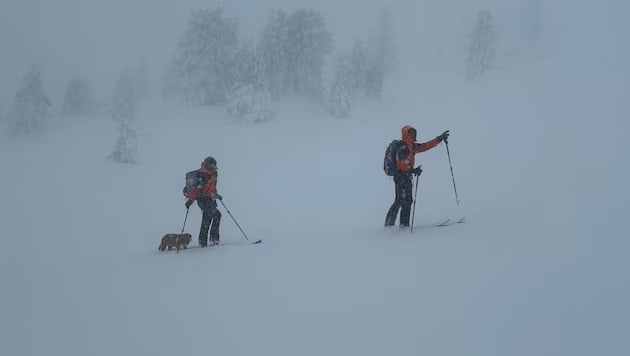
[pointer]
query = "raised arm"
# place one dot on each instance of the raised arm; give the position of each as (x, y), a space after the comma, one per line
(425, 146)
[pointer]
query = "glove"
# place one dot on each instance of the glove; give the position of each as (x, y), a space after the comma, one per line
(188, 203)
(444, 136)
(417, 171)
(217, 196)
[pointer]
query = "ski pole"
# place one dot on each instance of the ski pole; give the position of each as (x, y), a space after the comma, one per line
(413, 214)
(237, 225)
(452, 175)
(185, 220)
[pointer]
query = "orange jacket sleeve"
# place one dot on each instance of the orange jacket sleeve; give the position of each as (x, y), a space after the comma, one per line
(421, 147)
(406, 163)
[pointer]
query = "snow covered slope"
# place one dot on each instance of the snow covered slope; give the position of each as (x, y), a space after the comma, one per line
(540, 267)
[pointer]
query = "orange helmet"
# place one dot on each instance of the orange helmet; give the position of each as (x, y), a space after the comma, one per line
(409, 134)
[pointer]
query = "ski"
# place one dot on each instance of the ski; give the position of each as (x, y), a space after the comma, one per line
(219, 245)
(443, 223)
(449, 222)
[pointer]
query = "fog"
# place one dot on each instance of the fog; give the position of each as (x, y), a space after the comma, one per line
(96, 39)
(540, 267)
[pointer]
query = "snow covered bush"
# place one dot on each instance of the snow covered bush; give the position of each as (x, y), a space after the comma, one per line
(126, 145)
(251, 104)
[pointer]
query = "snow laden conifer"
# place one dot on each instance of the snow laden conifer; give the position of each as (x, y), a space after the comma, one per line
(78, 98)
(124, 100)
(249, 99)
(123, 111)
(308, 42)
(374, 77)
(382, 43)
(379, 55)
(274, 53)
(201, 65)
(481, 51)
(31, 107)
(126, 145)
(342, 89)
(358, 65)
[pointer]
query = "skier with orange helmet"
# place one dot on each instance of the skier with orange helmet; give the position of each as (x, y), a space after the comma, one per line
(404, 156)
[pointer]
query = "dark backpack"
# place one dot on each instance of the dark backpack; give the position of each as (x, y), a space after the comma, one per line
(389, 163)
(194, 180)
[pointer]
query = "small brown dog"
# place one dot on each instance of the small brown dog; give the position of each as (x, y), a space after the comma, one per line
(177, 241)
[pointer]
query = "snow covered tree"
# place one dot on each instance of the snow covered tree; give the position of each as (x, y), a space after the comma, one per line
(249, 98)
(125, 98)
(358, 63)
(274, 53)
(375, 77)
(31, 107)
(382, 44)
(201, 65)
(308, 42)
(481, 51)
(343, 88)
(126, 145)
(78, 99)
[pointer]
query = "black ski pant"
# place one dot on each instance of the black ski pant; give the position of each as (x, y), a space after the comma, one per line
(209, 221)
(404, 198)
